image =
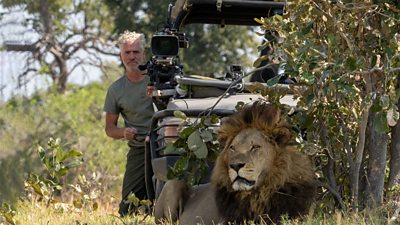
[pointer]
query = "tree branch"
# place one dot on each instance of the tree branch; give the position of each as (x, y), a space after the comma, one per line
(77, 64)
(331, 157)
(380, 70)
(102, 51)
(334, 193)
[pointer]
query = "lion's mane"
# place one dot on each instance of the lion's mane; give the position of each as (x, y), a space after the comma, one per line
(288, 188)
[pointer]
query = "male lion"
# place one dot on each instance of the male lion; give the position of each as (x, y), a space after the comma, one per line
(259, 175)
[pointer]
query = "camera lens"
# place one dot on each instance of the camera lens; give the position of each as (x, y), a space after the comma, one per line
(165, 45)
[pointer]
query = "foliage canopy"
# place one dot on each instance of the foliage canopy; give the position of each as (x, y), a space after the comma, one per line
(347, 56)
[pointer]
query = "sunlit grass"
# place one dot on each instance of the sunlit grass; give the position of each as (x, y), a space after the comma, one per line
(38, 213)
(340, 218)
(28, 213)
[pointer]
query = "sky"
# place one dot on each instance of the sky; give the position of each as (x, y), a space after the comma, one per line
(13, 63)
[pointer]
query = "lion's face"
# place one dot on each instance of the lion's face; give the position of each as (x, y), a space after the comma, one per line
(249, 157)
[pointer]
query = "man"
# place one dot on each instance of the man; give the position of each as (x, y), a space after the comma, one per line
(127, 96)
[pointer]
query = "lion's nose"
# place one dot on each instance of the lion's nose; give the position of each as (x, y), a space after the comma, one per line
(236, 166)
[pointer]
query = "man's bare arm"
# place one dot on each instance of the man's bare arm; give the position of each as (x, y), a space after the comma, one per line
(112, 130)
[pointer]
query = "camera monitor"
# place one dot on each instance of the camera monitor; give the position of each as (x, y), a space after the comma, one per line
(165, 45)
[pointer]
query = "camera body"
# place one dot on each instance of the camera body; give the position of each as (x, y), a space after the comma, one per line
(164, 64)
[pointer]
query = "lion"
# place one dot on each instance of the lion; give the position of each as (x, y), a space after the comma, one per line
(260, 175)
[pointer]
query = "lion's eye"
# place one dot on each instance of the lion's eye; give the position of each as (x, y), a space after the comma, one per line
(231, 148)
(255, 147)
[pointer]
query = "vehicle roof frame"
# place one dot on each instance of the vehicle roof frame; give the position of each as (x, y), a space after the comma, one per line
(223, 12)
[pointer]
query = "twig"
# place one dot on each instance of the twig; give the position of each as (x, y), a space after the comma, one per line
(144, 218)
(355, 6)
(384, 15)
(374, 8)
(379, 69)
(334, 193)
(102, 51)
(395, 214)
(118, 218)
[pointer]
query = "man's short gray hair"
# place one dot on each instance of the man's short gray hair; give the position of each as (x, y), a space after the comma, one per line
(131, 36)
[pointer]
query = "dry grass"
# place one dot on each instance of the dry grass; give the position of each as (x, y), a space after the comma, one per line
(340, 218)
(38, 214)
(29, 213)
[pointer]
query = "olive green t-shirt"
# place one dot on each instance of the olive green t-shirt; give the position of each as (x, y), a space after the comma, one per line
(131, 101)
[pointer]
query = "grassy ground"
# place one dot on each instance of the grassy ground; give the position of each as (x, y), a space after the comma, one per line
(38, 214)
(28, 213)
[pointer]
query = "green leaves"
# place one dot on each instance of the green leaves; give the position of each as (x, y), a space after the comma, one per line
(207, 135)
(380, 123)
(384, 102)
(179, 114)
(260, 21)
(385, 109)
(259, 60)
(8, 213)
(132, 199)
(345, 63)
(57, 162)
(186, 132)
(45, 69)
(274, 80)
(351, 63)
(181, 165)
(307, 29)
(196, 145)
(272, 93)
(87, 191)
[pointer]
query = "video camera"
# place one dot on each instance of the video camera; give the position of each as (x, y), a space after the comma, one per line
(164, 64)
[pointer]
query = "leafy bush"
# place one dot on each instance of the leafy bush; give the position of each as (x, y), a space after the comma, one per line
(76, 117)
(346, 56)
(197, 144)
(57, 162)
(8, 213)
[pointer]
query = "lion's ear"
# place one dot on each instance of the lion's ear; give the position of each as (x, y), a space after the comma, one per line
(282, 135)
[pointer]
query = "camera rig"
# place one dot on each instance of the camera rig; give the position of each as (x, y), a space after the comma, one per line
(164, 64)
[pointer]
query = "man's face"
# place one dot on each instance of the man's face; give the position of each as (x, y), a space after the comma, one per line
(132, 55)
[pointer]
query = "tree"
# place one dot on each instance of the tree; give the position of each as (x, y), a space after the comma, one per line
(347, 56)
(394, 153)
(67, 30)
(210, 46)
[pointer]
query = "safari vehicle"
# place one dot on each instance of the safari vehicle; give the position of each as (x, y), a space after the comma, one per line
(201, 93)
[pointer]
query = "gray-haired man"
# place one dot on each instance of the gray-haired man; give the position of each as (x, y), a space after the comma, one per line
(128, 96)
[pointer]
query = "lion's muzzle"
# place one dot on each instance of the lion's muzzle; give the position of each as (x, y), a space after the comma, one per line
(237, 174)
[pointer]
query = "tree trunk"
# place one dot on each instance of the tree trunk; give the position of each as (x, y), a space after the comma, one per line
(394, 174)
(46, 19)
(377, 148)
(63, 76)
(51, 43)
(359, 151)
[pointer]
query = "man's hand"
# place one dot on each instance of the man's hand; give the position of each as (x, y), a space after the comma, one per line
(150, 90)
(130, 133)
